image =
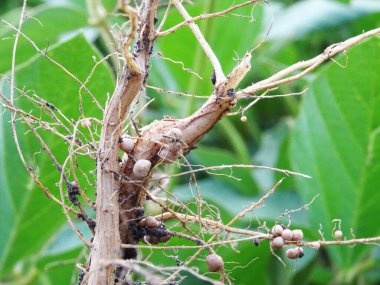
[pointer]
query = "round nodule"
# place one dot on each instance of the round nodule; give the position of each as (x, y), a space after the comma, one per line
(297, 235)
(277, 230)
(214, 262)
(338, 234)
(151, 222)
(287, 234)
(141, 168)
(294, 253)
(127, 144)
(243, 119)
(277, 243)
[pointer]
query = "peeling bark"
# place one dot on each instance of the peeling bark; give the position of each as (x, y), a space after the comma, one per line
(121, 194)
(106, 244)
(154, 138)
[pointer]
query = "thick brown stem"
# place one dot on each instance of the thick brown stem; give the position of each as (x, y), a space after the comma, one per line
(106, 245)
(154, 138)
(121, 195)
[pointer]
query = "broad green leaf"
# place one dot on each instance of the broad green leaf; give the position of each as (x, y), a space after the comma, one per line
(226, 43)
(8, 5)
(59, 269)
(228, 46)
(232, 202)
(235, 139)
(45, 26)
(253, 259)
(241, 177)
(247, 258)
(268, 155)
(304, 17)
(337, 142)
(110, 5)
(32, 219)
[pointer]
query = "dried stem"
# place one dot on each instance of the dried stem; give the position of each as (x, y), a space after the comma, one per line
(120, 193)
(255, 205)
(202, 41)
(231, 166)
(106, 244)
(308, 65)
(207, 222)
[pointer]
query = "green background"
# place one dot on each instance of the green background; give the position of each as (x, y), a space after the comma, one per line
(331, 133)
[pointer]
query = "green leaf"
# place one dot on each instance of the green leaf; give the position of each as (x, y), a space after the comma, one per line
(337, 142)
(110, 5)
(45, 25)
(227, 44)
(231, 203)
(268, 155)
(59, 269)
(208, 156)
(31, 218)
(305, 17)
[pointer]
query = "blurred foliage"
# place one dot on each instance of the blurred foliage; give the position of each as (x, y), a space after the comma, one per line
(336, 140)
(331, 133)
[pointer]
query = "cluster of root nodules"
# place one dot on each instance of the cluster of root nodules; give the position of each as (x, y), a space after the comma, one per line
(151, 231)
(153, 146)
(139, 156)
(282, 236)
